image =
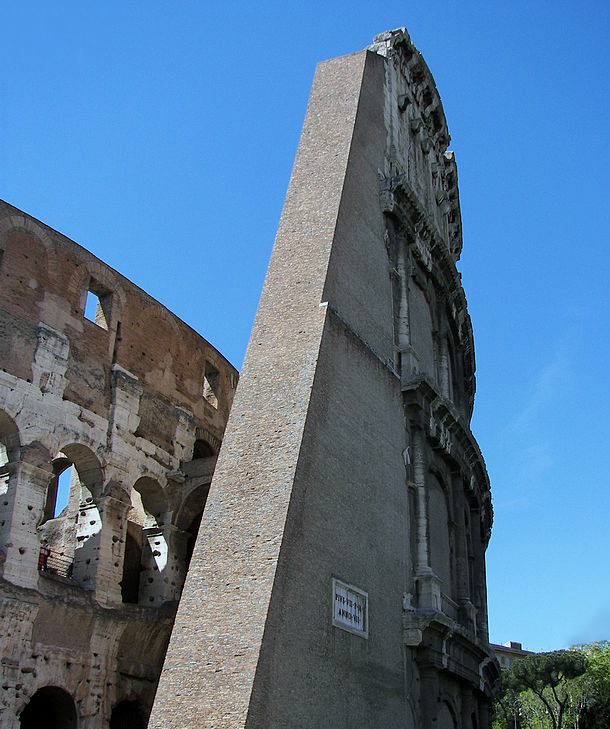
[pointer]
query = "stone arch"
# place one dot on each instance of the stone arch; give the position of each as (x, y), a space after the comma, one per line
(128, 714)
(29, 252)
(51, 707)
(10, 442)
(157, 311)
(147, 530)
(23, 222)
(202, 449)
(88, 484)
(189, 516)
(153, 499)
(208, 440)
(446, 716)
(132, 564)
(73, 536)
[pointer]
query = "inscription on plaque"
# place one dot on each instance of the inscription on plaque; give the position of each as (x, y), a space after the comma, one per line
(350, 608)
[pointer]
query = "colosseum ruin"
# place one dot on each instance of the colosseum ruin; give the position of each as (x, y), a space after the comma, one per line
(337, 577)
(112, 412)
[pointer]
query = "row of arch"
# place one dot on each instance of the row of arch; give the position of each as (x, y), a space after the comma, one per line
(158, 531)
(54, 708)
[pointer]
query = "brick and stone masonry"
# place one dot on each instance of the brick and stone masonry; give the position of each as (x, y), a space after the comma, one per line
(338, 577)
(129, 405)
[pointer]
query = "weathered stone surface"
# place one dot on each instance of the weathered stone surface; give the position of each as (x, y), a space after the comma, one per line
(348, 454)
(121, 400)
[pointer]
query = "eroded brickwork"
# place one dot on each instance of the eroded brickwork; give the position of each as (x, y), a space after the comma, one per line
(112, 412)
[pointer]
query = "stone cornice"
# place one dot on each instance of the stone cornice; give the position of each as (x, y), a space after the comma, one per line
(427, 120)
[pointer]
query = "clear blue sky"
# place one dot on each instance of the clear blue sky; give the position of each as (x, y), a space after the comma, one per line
(161, 136)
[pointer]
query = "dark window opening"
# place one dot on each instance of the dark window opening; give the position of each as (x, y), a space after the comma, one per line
(130, 584)
(202, 449)
(98, 304)
(50, 707)
(58, 492)
(127, 715)
(192, 532)
(211, 382)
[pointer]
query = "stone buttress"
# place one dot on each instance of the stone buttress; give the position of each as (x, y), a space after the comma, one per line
(338, 577)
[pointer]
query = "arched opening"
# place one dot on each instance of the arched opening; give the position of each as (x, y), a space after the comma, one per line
(146, 550)
(152, 499)
(202, 449)
(71, 522)
(127, 715)
(77, 481)
(132, 564)
(9, 448)
(50, 707)
(189, 519)
(192, 531)
(444, 718)
(9, 439)
(58, 491)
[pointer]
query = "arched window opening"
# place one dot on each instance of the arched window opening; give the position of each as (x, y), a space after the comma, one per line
(4, 472)
(189, 519)
(150, 501)
(71, 523)
(9, 448)
(58, 491)
(147, 517)
(50, 707)
(192, 532)
(127, 715)
(132, 564)
(202, 449)
(211, 384)
(77, 480)
(63, 490)
(444, 718)
(98, 304)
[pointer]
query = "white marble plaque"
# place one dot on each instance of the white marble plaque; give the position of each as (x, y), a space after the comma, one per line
(350, 608)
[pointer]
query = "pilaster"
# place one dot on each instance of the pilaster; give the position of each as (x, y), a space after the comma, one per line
(21, 510)
(109, 572)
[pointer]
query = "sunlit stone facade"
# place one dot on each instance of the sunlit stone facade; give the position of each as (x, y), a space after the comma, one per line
(339, 574)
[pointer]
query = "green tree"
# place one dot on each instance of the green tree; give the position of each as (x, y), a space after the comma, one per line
(593, 687)
(539, 690)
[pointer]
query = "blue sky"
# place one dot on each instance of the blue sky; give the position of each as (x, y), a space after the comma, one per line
(161, 136)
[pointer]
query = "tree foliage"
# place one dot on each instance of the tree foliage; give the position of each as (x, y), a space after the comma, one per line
(594, 687)
(555, 690)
